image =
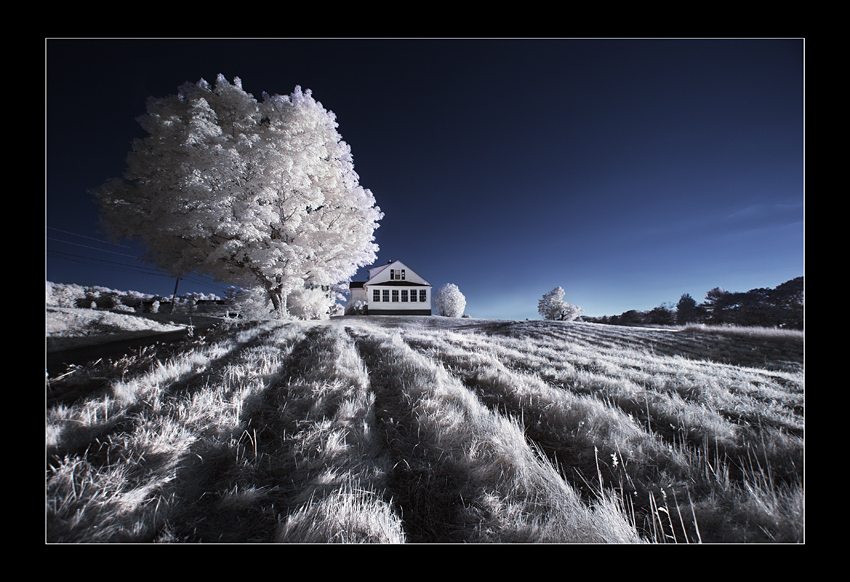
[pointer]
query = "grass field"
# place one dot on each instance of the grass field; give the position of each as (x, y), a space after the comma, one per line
(433, 430)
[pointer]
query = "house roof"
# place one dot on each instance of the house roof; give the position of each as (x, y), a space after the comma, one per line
(397, 284)
(374, 271)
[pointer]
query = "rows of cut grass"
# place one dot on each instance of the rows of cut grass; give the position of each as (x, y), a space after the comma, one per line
(253, 438)
(702, 429)
(390, 430)
(338, 464)
(463, 472)
(115, 457)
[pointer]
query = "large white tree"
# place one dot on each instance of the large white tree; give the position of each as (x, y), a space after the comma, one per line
(553, 306)
(449, 301)
(253, 193)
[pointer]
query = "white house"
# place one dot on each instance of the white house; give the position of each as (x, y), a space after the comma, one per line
(393, 289)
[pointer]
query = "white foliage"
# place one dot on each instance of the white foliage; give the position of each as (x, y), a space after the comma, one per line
(552, 306)
(449, 301)
(252, 303)
(356, 307)
(250, 192)
(63, 295)
(312, 303)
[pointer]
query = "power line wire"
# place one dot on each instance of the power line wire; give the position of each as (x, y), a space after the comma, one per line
(101, 262)
(122, 267)
(93, 248)
(88, 237)
(210, 281)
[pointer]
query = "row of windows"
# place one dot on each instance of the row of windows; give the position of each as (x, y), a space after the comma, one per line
(379, 295)
(396, 274)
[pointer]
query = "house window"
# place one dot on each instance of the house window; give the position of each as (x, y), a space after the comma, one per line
(386, 294)
(395, 295)
(392, 274)
(402, 274)
(404, 295)
(376, 295)
(422, 295)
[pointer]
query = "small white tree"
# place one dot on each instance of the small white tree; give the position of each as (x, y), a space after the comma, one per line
(253, 303)
(449, 301)
(552, 306)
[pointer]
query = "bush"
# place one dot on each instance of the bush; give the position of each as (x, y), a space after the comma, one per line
(356, 307)
(310, 303)
(449, 301)
(253, 304)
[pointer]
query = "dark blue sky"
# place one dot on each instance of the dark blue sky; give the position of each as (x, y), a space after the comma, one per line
(628, 172)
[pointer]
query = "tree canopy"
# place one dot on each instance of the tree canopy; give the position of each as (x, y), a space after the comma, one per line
(781, 307)
(553, 306)
(253, 193)
(686, 309)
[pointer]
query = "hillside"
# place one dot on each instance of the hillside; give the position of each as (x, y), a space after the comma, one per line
(433, 430)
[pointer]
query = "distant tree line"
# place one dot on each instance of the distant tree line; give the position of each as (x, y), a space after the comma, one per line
(781, 307)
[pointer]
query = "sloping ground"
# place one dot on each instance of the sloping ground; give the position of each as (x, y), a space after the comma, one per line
(425, 430)
(70, 327)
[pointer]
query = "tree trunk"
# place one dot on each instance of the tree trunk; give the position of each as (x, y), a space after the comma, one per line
(278, 298)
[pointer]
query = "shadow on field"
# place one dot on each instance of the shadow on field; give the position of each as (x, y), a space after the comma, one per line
(260, 463)
(423, 485)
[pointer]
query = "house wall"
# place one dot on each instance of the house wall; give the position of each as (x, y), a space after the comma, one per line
(357, 294)
(396, 285)
(391, 300)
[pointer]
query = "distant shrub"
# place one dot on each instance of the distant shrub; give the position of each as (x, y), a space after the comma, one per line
(553, 307)
(449, 301)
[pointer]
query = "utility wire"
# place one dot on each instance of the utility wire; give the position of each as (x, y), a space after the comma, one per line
(101, 262)
(119, 266)
(122, 267)
(88, 237)
(93, 248)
